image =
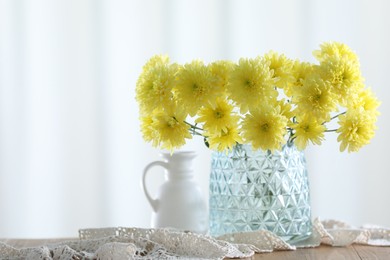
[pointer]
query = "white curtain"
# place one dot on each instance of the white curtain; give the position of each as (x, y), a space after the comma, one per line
(71, 152)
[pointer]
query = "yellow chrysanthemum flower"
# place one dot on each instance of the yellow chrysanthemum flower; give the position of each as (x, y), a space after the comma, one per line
(281, 67)
(224, 139)
(154, 86)
(315, 99)
(251, 84)
(335, 49)
(169, 127)
(365, 99)
(284, 108)
(264, 128)
(356, 130)
(148, 132)
(155, 61)
(217, 118)
(196, 87)
(300, 71)
(221, 71)
(344, 76)
(308, 129)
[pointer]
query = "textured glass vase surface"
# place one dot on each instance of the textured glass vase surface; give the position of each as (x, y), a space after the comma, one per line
(252, 190)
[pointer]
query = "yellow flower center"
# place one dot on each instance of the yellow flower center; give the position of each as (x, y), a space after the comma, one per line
(199, 90)
(249, 84)
(218, 114)
(265, 127)
(225, 133)
(316, 98)
(338, 78)
(357, 130)
(172, 122)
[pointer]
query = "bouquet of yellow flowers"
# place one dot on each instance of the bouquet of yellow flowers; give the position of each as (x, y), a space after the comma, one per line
(265, 101)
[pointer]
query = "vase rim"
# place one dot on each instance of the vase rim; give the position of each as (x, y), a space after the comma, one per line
(166, 154)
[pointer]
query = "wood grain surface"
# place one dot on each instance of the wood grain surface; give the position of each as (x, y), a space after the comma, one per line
(330, 253)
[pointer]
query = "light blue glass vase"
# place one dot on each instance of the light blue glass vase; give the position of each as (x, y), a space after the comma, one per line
(252, 190)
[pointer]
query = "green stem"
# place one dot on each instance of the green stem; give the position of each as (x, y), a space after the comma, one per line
(334, 117)
(193, 126)
(290, 138)
(333, 130)
(194, 132)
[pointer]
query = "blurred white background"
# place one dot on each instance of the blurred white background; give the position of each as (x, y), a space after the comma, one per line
(71, 152)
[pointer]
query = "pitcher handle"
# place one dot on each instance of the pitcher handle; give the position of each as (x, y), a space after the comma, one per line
(153, 202)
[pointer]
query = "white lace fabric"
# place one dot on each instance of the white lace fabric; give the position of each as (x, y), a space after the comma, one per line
(139, 243)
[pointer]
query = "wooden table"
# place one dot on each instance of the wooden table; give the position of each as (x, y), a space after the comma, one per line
(323, 252)
(328, 252)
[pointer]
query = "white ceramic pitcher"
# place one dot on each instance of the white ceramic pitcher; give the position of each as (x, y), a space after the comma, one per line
(179, 202)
